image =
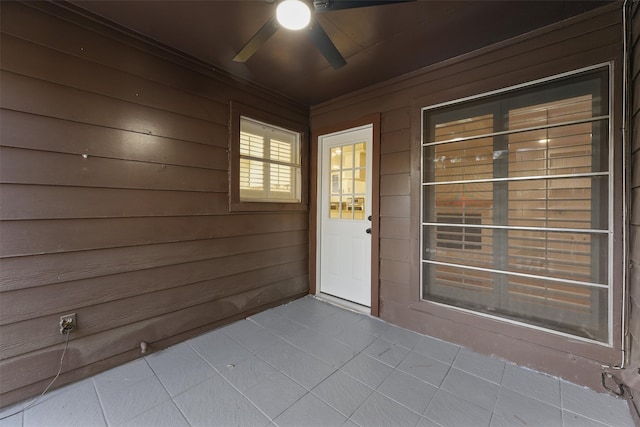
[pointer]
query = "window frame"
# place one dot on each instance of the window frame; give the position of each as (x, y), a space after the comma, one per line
(238, 110)
(534, 333)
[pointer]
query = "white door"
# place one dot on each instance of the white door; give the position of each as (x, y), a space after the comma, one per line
(344, 217)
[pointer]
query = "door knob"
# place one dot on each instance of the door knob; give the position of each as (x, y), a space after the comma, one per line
(369, 218)
(368, 230)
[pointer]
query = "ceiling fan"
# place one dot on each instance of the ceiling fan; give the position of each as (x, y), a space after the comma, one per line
(296, 15)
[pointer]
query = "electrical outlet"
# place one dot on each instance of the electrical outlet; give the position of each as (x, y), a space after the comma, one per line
(68, 323)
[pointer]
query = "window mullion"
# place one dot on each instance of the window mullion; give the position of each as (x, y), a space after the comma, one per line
(501, 205)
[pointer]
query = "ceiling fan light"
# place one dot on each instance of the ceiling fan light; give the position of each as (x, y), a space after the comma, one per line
(293, 14)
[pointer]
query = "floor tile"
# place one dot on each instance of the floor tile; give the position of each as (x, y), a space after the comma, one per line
(303, 368)
(400, 336)
(533, 384)
(596, 406)
(380, 411)
(310, 412)
(248, 373)
(498, 421)
(126, 402)
(323, 347)
(342, 392)
(215, 402)
(426, 422)
(355, 337)
(367, 370)
(424, 368)
(251, 335)
(219, 350)
(436, 349)
(386, 352)
(266, 316)
(517, 408)
(275, 394)
(569, 419)
(281, 326)
(14, 418)
(471, 388)
(408, 391)
(78, 406)
(448, 410)
(336, 323)
(179, 368)
(482, 366)
(124, 375)
(314, 305)
(372, 325)
(306, 301)
(303, 316)
(165, 415)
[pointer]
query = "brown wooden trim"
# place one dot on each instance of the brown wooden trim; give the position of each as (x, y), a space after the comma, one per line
(375, 120)
(375, 226)
(235, 204)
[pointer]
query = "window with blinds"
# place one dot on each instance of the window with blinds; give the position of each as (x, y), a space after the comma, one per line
(269, 163)
(515, 205)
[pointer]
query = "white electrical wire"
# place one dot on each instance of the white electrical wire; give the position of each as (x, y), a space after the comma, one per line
(66, 345)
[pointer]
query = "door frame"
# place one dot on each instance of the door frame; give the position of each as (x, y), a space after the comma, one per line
(374, 121)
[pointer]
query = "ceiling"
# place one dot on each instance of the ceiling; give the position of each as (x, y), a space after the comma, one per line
(378, 43)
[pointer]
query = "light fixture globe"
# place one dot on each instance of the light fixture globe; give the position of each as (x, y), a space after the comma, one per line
(293, 14)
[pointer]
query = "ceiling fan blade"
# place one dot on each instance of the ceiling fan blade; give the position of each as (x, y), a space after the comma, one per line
(324, 44)
(258, 39)
(329, 5)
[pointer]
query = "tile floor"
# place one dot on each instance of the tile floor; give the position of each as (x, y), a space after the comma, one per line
(309, 363)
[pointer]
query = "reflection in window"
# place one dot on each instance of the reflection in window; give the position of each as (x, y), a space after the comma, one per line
(348, 181)
(269, 163)
(516, 205)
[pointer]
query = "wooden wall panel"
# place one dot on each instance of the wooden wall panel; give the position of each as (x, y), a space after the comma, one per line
(37, 365)
(22, 202)
(587, 40)
(395, 185)
(30, 167)
(120, 312)
(23, 130)
(48, 269)
(49, 236)
(114, 200)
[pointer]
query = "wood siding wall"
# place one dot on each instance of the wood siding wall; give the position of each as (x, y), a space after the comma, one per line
(634, 278)
(114, 201)
(590, 39)
(634, 232)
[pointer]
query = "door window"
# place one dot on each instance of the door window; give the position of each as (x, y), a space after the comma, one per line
(347, 182)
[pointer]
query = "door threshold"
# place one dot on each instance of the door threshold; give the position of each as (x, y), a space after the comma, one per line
(343, 303)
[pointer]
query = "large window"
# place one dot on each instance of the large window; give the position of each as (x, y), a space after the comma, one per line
(269, 163)
(516, 204)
